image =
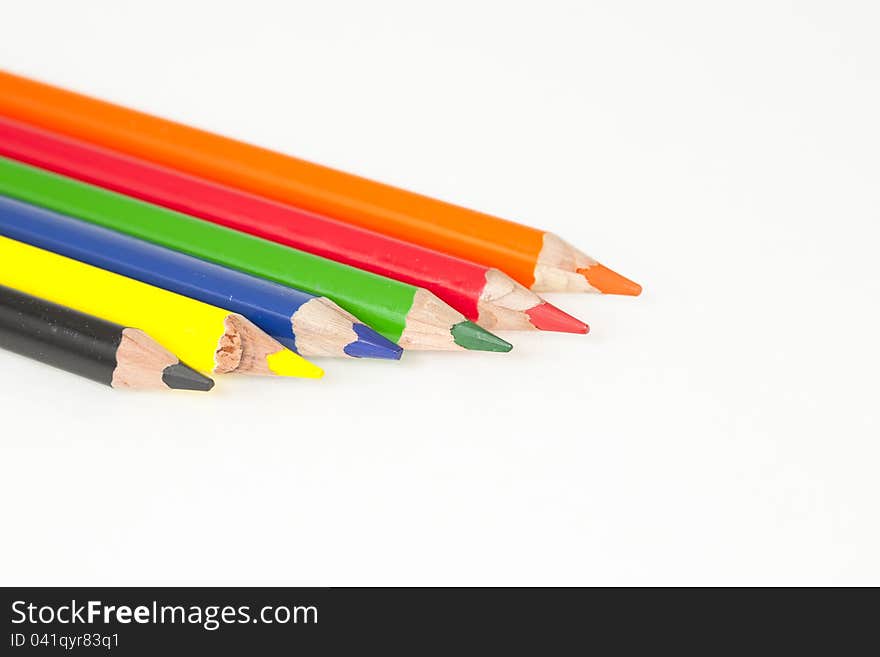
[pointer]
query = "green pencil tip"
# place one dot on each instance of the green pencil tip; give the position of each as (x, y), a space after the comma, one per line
(471, 336)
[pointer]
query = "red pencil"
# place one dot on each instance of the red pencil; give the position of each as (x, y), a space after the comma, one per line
(482, 294)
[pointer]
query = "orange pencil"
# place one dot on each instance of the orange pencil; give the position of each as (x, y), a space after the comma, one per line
(537, 259)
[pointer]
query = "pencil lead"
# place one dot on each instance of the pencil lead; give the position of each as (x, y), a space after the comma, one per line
(608, 281)
(471, 336)
(182, 377)
(548, 317)
(287, 363)
(372, 345)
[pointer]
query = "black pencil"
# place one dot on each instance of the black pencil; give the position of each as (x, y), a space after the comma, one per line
(109, 353)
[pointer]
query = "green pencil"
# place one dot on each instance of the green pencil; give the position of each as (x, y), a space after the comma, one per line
(408, 315)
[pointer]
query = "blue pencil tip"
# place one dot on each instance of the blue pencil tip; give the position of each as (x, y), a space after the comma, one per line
(372, 345)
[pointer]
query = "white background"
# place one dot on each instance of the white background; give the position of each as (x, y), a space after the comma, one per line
(720, 429)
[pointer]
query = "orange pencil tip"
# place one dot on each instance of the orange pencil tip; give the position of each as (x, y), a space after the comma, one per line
(608, 281)
(548, 317)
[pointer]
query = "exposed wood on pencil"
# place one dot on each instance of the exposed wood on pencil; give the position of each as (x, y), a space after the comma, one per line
(434, 325)
(505, 304)
(245, 349)
(325, 329)
(142, 363)
(563, 268)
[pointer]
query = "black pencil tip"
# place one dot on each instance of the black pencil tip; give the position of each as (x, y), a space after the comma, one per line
(183, 377)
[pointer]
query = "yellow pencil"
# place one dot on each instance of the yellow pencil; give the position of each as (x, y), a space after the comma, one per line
(208, 338)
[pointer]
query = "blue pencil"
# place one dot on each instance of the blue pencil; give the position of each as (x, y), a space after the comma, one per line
(310, 325)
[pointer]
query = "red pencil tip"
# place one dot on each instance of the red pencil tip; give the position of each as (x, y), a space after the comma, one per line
(548, 317)
(610, 282)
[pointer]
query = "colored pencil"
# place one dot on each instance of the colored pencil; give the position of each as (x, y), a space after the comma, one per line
(482, 294)
(539, 260)
(308, 325)
(109, 353)
(206, 337)
(412, 317)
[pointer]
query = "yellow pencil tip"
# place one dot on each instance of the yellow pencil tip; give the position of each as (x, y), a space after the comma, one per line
(287, 363)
